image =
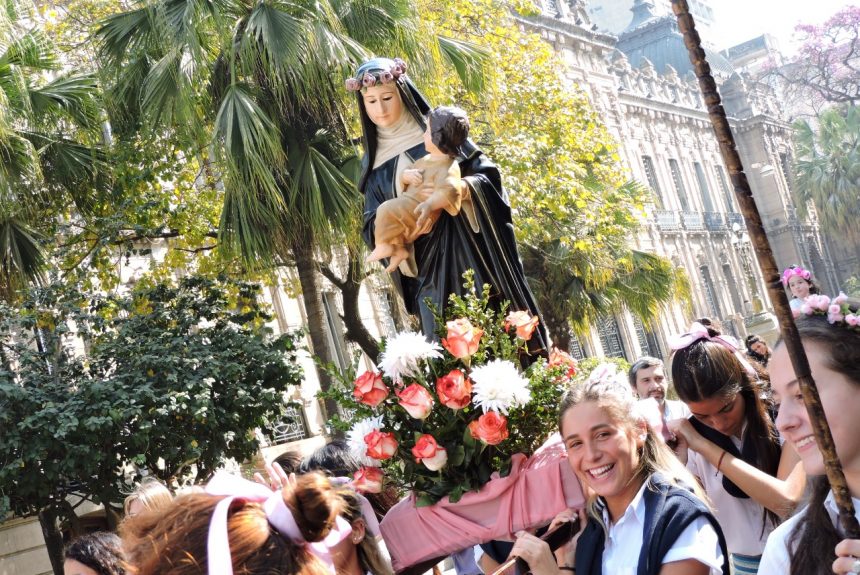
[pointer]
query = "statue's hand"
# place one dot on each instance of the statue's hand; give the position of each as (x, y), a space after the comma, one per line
(412, 177)
(424, 211)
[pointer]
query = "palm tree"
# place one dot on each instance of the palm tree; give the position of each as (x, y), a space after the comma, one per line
(49, 153)
(828, 170)
(578, 282)
(262, 83)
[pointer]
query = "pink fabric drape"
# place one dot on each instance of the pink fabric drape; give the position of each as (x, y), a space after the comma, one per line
(537, 489)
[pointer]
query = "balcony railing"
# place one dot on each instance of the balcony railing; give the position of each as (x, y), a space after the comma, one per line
(667, 220)
(714, 222)
(735, 218)
(693, 221)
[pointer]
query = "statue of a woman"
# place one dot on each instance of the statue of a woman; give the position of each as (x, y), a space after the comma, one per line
(480, 237)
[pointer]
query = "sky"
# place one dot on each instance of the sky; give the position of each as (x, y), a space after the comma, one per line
(736, 21)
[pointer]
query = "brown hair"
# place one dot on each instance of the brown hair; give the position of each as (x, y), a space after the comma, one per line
(449, 128)
(175, 540)
(655, 456)
(815, 536)
(706, 369)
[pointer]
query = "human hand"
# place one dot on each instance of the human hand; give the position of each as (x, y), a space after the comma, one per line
(536, 553)
(685, 434)
(412, 177)
(425, 211)
(565, 554)
(847, 553)
(278, 478)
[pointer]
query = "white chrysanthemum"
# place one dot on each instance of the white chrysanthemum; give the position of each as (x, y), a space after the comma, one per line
(403, 352)
(499, 386)
(355, 439)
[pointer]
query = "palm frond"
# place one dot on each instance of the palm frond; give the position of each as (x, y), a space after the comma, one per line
(73, 96)
(167, 92)
(22, 260)
(127, 31)
(468, 59)
(73, 168)
(19, 164)
(32, 50)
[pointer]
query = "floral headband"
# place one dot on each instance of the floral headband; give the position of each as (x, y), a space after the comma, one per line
(837, 309)
(699, 331)
(795, 271)
(378, 77)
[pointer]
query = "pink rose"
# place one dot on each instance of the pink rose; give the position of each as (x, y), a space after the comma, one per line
(369, 388)
(380, 444)
(852, 320)
(369, 80)
(462, 338)
(368, 480)
(491, 428)
(840, 299)
(416, 400)
(428, 452)
(834, 309)
(454, 390)
(523, 322)
(353, 85)
(386, 77)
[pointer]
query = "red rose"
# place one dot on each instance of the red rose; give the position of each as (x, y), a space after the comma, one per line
(368, 480)
(380, 444)
(559, 358)
(428, 452)
(491, 428)
(416, 400)
(369, 388)
(462, 338)
(454, 390)
(523, 322)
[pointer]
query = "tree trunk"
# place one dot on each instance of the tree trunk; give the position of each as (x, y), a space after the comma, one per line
(767, 263)
(350, 289)
(558, 328)
(53, 538)
(317, 324)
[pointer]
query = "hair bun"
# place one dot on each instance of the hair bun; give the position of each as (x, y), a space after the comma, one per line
(315, 505)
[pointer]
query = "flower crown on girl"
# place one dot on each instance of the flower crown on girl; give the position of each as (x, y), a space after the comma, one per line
(837, 310)
(377, 77)
(795, 271)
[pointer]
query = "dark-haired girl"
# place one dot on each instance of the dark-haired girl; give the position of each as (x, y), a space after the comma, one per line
(730, 442)
(810, 543)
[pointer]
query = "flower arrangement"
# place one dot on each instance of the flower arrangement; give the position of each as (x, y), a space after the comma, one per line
(370, 79)
(441, 418)
(837, 310)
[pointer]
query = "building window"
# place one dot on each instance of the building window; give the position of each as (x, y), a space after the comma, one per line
(724, 187)
(710, 292)
(291, 427)
(651, 175)
(610, 337)
(576, 350)
(703, 187)
(647, 339)
(679, 185)
(730, 280)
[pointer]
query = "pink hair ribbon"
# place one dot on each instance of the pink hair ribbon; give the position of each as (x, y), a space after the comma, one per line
(367, 512)
(699, 331)
(279, 515)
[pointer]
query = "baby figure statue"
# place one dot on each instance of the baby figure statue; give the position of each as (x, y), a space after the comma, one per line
(432, 184)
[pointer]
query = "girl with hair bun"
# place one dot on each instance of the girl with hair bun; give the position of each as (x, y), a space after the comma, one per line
(242, 527)
(646, 513)
(730, 442)
(810, 543)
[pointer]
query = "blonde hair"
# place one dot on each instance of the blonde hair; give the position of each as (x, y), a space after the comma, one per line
(617, 400)
(370, 557)
(152, 494)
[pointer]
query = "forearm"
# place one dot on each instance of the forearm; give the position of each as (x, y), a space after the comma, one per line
(778, 495)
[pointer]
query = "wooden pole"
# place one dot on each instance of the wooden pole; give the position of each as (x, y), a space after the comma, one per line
(766, 262)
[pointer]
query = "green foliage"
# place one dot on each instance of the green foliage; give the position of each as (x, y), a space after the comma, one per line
(168, 378)
(827, 167)
(587, 365)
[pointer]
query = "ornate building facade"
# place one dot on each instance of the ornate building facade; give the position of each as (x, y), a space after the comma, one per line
(642, 85)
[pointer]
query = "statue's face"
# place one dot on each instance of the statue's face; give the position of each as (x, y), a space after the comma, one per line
(383, 104)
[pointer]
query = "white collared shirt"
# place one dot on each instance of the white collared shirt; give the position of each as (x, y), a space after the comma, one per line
(741, 519)
(775, 560)
(623, 544)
